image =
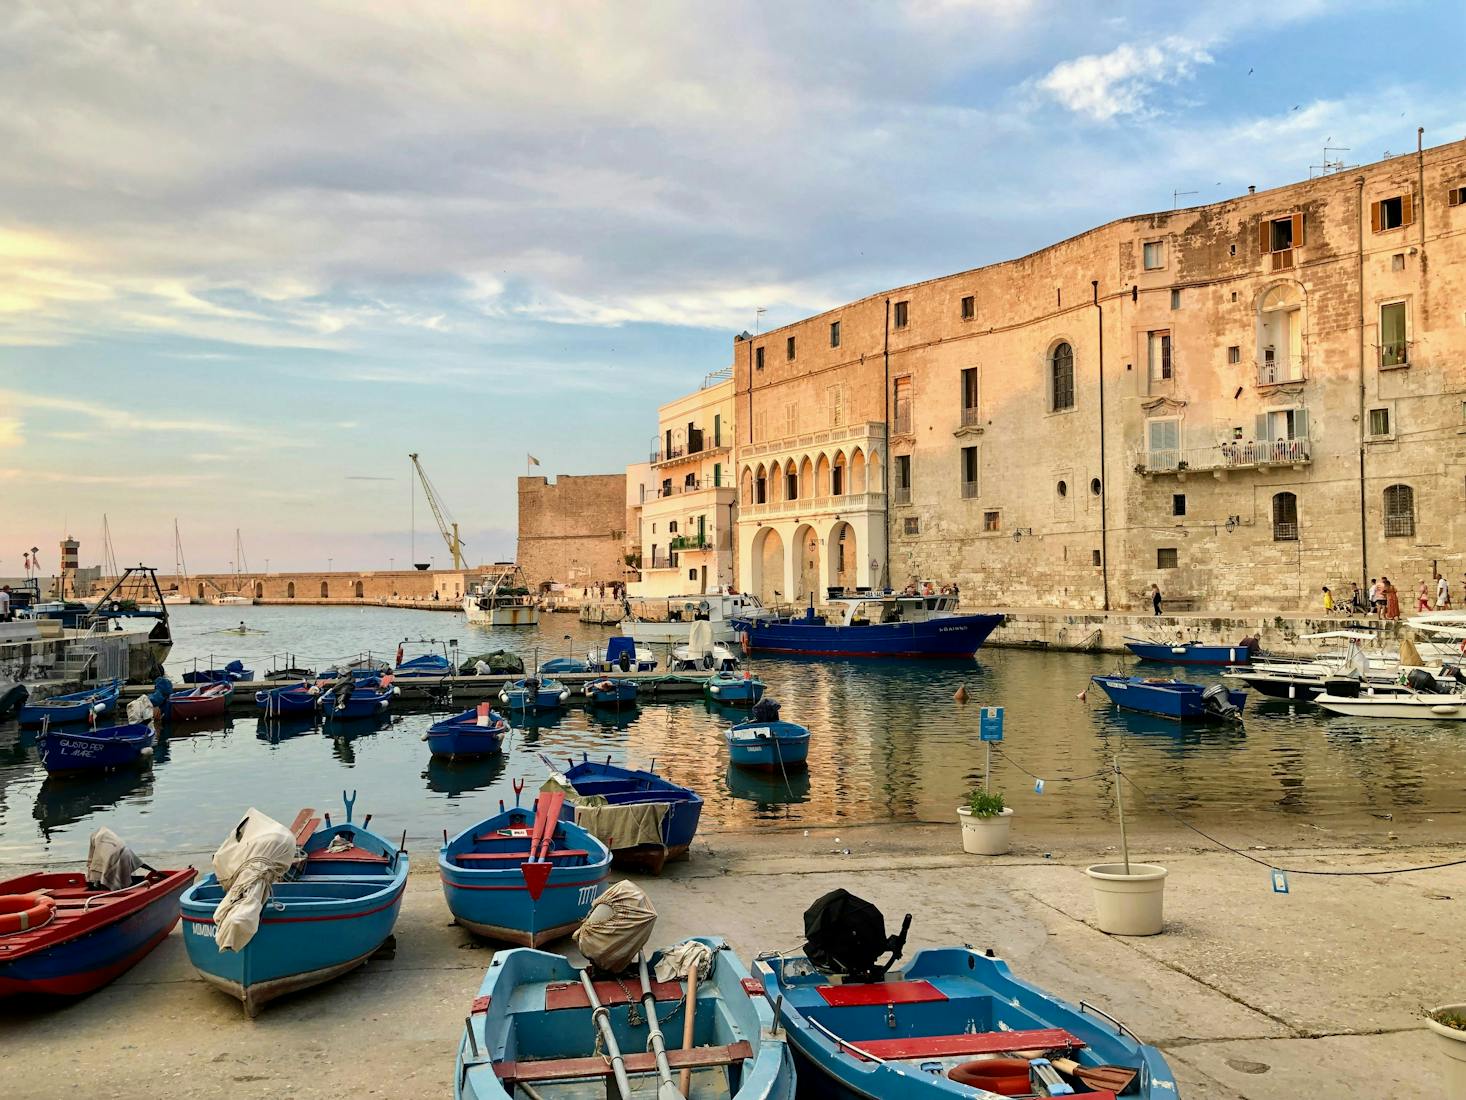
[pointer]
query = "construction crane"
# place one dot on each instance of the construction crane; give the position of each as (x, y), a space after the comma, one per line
(446, 527)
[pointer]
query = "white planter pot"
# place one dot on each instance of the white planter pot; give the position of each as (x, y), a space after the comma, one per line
(1451, 1043)
(985, 836)
(1128, 905)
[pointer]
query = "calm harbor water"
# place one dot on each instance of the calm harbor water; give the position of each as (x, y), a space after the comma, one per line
(889, 743)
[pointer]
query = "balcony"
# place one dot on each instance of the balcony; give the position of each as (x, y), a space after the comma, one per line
(699, 447)
(901, 494)
(813, 506)
(690, 542)
(662, 561)
(866, 434)
(971, 418)
(969, 490)
(1277, 372)
(1394, 354)
(660, 492)
(1226, 456)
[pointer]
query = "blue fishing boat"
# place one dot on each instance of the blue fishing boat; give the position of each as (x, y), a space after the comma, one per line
(953, 1023)
(99, 750)
(76, 706)
(530, 1033)
(233, 672)
(556, 666)
(734, 689)
(362, 703)
(532, 694)
(872, 626)
(281, 702)
(765, 743)
(626, 791)
(336, 911)
(523, 876)
(1188, 653)
(82, 936)
(1174, 698)
(478, 731)
(621, 655)
(610, 692)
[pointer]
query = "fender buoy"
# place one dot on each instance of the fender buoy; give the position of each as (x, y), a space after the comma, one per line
(21, 912)
(745, 643)
(1005, 1076)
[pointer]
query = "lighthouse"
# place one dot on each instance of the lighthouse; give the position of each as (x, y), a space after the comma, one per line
(69, 549)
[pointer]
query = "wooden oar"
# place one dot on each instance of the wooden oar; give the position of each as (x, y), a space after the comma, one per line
(1115, 1079)
(536, 869)
(689, 1013)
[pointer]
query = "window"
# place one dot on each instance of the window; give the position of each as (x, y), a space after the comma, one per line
(969, 396)
(672, 527)
(1178, 504)
(1456, 196)
(717, 429)
(760, 489)
(1397, 262)
(1379, 423)
(692, 574)
(758, 358)
(1175, 299)
(902, 314)
(1094, 557)
(789, 348)
(1394, 349)
(1158, 346)
(1285, 517)
(903, 479)
(911, 525)
(1062, 488)
(717, 475)
(1282, 436)
(1392, 213)
(901, 407)
(1280, 233)
(1399, 511)
(1095, 486)
(1061, 378)
(837, 479)
(1165, 557)
(791, 486)
(1163, 443)
(1154, 255)
(969, 472)
(835, 398)
(834, 334)
(969, 307)
(1234, 354)
(791, 419)
(990, 521)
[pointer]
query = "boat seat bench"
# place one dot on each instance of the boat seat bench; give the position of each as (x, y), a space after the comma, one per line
(985, 1042)
(303, 826)
(354, 854)
(919, 991)
(560, 995)
(517, 857)
(568, 1069)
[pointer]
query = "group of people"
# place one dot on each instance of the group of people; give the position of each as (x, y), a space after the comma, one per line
(1383, 598)
(926, 588)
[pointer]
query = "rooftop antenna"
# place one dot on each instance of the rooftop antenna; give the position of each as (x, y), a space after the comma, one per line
(1330, 165)
(1176, 197)
(758, 315)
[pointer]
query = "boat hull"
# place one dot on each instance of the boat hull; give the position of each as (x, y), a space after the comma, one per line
(768, 746)
(627, 786)
(193, 704)
(106, 750)
(611, 693)
(1165, 699)
(278, 702)
(362, 704)
(464, 738)
(734, 690)
(1430, 708)
(504, 615)
(954, 636)
(1190, 653)
(74, 707)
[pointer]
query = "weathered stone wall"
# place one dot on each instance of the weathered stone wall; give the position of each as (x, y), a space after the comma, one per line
(573, 530)
(371, 585)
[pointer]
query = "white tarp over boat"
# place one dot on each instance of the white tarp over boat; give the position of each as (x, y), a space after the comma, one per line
(256, 855)
(619, 925)
(110, 862)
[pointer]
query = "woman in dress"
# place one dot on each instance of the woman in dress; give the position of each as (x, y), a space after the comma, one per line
(1392, 599)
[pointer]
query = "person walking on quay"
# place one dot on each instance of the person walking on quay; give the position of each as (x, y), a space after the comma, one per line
(1442, 594)
(1376, 597)
(1392, 599)
(1356, 599)
(1422, 601)
(1328, 601)
(1155, 598)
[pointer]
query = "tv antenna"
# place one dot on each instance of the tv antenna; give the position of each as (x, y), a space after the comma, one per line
(1330, 165)
(1176, 197)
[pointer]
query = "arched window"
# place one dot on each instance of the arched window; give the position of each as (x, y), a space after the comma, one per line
(1061, 378)
(325, 589)
(1399, 511)
(1285, 517)
(259, 590)
(360, 590)
(290, 591)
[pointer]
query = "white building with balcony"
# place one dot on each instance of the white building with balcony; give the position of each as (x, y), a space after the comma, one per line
(812, 513)
(689, 500)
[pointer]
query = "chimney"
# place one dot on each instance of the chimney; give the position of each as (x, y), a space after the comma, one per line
(1252, 188)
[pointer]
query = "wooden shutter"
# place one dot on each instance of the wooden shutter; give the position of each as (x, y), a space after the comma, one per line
(1262, 428)
(1300, 423)
(1297, 230)
(1265, 236)
(1407, 208)
(1374, 216)
(1456, 195)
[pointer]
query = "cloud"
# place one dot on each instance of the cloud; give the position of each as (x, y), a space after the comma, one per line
(12, 432)
(1121, 82)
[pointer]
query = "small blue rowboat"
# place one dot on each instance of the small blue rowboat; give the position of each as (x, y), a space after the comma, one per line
(768, 745)
(633, 787)
(558, 665)
(363, 703)
(610, 692)
(955, 1023)
(279, 702)
(327, 920)
(233, 672)
(529, 1033)
(101, 750)
(531, 694)
(88, 936)
(478, 731)
(78, 706)
(1174, 698)
(734, 689)
(523, 876)
(1188, 653)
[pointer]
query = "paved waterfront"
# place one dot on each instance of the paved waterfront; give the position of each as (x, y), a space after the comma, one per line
(1250, 994)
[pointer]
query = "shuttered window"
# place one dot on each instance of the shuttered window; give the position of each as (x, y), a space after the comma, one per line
(1399, 511)
(1061, 378)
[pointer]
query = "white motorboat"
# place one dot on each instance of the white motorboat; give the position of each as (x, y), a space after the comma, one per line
(506, 601)
(1429, 707)
(669, 621)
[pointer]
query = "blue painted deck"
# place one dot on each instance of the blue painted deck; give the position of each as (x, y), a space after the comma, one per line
(550, 695)
(76, 706)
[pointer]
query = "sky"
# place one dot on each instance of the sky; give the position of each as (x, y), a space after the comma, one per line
(252, 255)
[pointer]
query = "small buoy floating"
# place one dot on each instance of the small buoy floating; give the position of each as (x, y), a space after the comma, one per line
(960, 694)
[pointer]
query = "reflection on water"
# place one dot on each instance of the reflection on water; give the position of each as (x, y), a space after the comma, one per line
(888, 742)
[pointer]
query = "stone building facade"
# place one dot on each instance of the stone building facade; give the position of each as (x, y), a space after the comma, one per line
(573, 530)
(688, 505)
(1238, 402)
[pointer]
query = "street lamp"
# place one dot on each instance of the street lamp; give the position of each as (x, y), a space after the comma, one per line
(329, 567)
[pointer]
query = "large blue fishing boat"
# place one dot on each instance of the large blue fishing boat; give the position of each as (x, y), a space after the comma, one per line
(873, 626)
(673, 819)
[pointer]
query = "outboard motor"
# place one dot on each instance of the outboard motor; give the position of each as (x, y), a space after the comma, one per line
(766, 710)
(1215, 700)
(845, 934)
(1422, 682)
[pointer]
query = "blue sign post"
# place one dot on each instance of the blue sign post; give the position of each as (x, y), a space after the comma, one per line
(989, 729)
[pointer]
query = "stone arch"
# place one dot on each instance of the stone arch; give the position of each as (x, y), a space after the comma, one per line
(768, 565)
(761, 485)
(1281, 332)
(793, 490)
(259, 590)
(843, 554)
(201, 589)
(822, 476)
(1059, 372)
(776, 483)
(806, 550)
(857, 471)
(839, 475)
(808, 487)
(875, 473)
(745, 487)
(325, 590)
(290, 591)
(360, 590)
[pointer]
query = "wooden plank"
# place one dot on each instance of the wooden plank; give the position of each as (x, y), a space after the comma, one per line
(516, 857)
(986, 1042)
(561, 995)
(567, 1069)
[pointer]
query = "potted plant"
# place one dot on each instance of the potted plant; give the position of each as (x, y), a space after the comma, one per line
(985, 822)
(1129, 898)
(1448, 1023)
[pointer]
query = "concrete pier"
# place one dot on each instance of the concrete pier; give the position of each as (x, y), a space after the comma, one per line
(1249, 993)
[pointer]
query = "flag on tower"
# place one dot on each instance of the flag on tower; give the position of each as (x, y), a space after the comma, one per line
(533, 461)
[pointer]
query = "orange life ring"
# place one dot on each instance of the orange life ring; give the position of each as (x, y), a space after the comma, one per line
(1005, 1076)
(22, 912)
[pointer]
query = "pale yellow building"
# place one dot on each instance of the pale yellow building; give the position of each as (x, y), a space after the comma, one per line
(689, 500)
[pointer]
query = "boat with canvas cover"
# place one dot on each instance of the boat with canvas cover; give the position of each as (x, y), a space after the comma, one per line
(533, 1031)
(76, 706)
(621, 655)
(478, 731)
(523, 876)
(872, 626)
(610, 691)
(952, 1022)
(67, 933)
(233, 672)
(431, 663)
(649, 820)
(1173, 698)
(301, 906)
